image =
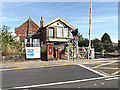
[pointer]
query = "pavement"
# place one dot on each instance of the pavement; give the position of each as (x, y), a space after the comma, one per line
(39, 63)
(83, 73)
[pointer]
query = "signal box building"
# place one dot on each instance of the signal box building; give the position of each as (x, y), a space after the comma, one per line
(56, 31)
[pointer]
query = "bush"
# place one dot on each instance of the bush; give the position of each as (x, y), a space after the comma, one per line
(9, 44)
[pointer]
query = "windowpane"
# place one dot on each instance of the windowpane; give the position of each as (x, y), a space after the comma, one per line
(65, 32)
(51, 32)
(59, 32)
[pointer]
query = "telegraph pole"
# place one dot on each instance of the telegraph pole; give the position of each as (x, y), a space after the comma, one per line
(90, 22)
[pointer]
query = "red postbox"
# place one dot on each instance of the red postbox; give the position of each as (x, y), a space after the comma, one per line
(50, 50)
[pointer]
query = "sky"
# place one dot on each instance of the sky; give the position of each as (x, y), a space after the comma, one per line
(104, 15)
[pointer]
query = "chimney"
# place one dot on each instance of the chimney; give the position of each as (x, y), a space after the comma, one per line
(41, 22)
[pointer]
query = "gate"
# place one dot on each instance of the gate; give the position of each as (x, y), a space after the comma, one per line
(83, 53)
(32, 47)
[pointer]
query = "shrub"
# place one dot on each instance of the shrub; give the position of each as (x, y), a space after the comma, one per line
(9, 45)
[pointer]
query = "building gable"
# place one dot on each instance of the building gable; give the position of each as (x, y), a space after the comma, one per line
(28, 25)
(58, 20)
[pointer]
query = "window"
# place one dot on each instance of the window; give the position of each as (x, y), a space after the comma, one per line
(59, 32)
(65, 32)
(51, 32)
(30, 32)
(33, 32)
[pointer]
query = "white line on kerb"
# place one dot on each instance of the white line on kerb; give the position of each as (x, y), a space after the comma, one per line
(93, 70)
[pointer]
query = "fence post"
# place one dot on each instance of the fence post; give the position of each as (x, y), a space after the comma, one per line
(68, 53)
(30, 42)
(92, 53)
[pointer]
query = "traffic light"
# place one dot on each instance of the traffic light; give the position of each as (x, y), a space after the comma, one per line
(74, 32)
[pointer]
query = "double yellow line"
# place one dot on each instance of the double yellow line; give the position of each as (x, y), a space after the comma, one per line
(34, 67)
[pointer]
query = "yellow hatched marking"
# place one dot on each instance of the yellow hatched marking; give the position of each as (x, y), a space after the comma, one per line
(96, 62)
(104, 64)
(107, 68)
(98, 70)
(116, 72)
(116, 64)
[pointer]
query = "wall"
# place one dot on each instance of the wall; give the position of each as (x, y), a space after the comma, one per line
(60, 52)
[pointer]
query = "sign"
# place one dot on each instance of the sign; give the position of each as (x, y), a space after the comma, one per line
(50, 50)
(83, 48)
(32, 52)
(103, 50)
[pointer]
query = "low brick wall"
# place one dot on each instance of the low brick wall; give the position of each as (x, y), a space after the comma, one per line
(13, 58)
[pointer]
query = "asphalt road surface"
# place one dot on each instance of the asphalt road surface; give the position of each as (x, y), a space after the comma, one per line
(68, 76)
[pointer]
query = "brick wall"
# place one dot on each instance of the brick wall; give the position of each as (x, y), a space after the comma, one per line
(60, 52)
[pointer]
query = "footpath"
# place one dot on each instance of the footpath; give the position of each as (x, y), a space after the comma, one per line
(40, 63)
(9, 65)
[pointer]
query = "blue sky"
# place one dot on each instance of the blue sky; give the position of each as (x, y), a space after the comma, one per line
(104, 15)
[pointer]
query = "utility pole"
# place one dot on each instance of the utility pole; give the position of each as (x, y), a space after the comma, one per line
(90, 22)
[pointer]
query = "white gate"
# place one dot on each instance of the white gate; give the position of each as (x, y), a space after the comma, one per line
(32, 47)
(83, 53)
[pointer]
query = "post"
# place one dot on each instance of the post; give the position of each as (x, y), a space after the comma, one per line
(68, 52)
(73, 49)
(25, 43)
(30, 42)
(77, 47)
(90, 22)
(92, 53)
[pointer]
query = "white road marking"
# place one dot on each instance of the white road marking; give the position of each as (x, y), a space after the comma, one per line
(58, 83)
(92, 70)
(102, 59)
(112, 78)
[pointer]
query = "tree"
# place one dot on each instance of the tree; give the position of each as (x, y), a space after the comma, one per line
(9, 45)
(106, 39)
(119, 45)
(98, 45)
(82, 41)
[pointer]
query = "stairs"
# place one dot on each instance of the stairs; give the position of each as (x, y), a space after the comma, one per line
(71, 49)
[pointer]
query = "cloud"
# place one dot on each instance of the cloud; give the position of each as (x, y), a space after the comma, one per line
(104, 19)
(13, 19)
(95, 20)
(11, 5)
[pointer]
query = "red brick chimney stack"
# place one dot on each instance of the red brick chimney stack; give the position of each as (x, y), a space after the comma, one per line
(41, 22)
(29, 17)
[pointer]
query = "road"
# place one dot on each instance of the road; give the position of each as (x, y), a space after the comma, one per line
(66, 76)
